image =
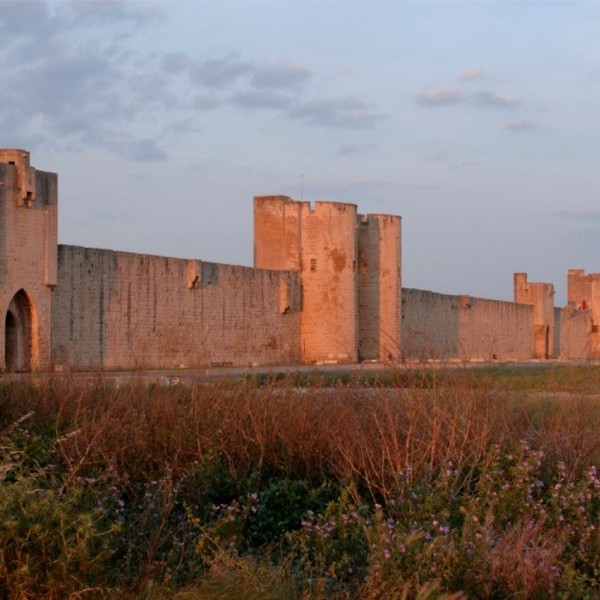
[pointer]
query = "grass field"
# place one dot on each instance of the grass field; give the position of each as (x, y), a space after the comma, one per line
(479, 483)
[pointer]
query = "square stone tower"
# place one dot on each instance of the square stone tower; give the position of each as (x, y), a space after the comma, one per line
(28, 262)
(583, 293)
(350, 275)
(541, 296)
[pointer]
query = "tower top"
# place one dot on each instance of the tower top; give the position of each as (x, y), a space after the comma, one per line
(14, 156)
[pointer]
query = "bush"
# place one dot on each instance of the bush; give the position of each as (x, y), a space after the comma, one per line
(454, 483)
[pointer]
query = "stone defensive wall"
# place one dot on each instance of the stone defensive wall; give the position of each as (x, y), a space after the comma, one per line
(118, 310)
(446, 327)
(326, 287)
(572, 333)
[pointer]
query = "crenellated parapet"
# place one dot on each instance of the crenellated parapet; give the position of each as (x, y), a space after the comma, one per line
(350, 273)
(583, 294)
(24, 182)
(326, 287)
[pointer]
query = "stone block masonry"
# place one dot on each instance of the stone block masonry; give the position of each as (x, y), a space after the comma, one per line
(350, 275)
(326, 287)
(118, 310)
(28, 246)
(444, 327)
(379, 288)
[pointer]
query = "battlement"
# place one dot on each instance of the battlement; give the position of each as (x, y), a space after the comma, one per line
(344, 315)
(14, 156)
(25, 184)
(326, 288)
(320, 207)
(380, 217)
(582, 289)
(525, 291)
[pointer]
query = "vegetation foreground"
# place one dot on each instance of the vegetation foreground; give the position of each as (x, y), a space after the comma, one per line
(480, 484)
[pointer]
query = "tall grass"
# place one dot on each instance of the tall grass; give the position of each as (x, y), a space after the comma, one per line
(421, 485)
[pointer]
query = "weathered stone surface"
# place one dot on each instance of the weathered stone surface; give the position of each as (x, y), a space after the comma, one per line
(28, 261)
(440, 326)
(350, 275)
(326, 287)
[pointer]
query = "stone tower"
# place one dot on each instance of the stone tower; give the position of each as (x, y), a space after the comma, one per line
(28, 262)
(583, 293)
(541, 296)
(350, 275)
(379, 287)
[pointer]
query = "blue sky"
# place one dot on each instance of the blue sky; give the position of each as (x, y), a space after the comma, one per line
(476, 121)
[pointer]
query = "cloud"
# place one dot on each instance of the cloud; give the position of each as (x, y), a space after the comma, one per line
(206, 101)
(73, 79)
(347, 149)
(470, 73)
(183, 126)
(446, 96)
(110, 12)
(441, 96)
(261, 99)
(220, 71)
(576, 214)
(494, 100)
(280, 76)
(59, 91)
(446, 158)
(176, 62)
(349, 113)
(593, 74)
(61, 86)
(438, 156)
(20, 18)
(520, 125)
(144, 150)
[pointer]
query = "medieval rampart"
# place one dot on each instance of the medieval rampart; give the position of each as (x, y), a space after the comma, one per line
(117, 310)
(572, 333)
(440, 326)
(326, 287)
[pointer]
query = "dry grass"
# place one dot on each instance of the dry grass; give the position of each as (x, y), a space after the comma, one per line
(346, 432)
(375, 440)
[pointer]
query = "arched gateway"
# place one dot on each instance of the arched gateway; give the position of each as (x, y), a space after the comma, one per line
(20, 337)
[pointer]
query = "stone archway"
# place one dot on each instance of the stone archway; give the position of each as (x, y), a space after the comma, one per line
(19, 342)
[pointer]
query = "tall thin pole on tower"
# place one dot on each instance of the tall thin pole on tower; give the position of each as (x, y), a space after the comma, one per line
(301, 188)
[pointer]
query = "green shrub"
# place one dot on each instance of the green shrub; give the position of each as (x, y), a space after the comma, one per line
(418, 485)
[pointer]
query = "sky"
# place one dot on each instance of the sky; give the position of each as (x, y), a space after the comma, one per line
(477, 122)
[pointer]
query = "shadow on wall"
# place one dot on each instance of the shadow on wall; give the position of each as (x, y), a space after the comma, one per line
(20, 343)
